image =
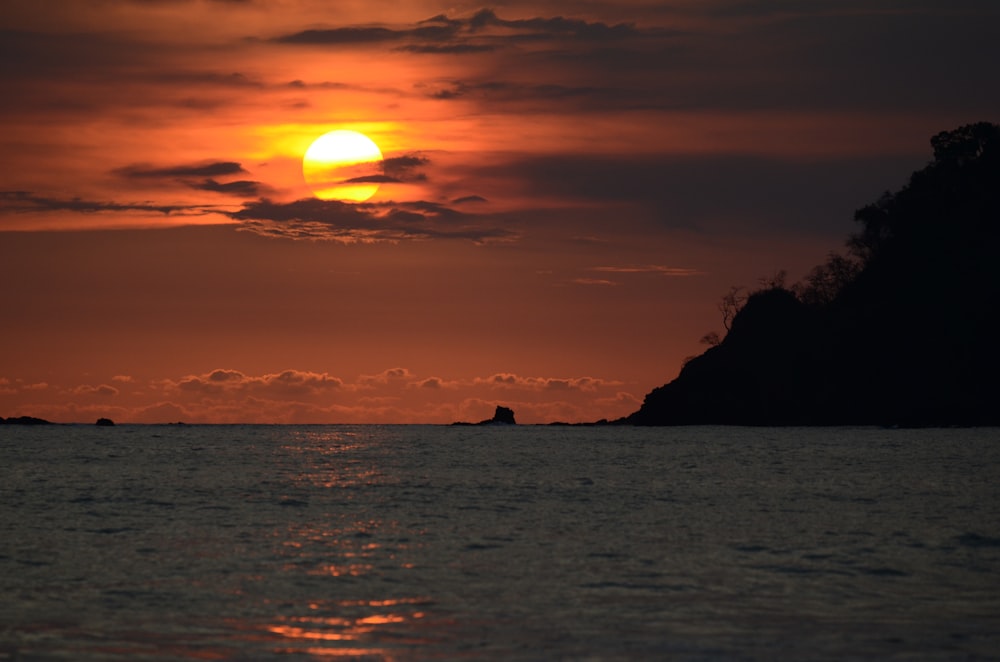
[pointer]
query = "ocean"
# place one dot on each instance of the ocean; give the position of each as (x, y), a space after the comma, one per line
(498, 543)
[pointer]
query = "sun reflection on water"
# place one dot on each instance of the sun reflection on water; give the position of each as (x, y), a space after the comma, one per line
(362, 635)
(332, 459)
(332, 542)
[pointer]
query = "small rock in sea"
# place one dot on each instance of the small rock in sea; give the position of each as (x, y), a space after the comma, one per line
(504, 415)
(104, 421)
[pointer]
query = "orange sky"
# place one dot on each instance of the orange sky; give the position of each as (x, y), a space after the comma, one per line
(573, 190)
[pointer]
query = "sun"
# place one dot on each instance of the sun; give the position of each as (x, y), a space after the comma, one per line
(343, 165)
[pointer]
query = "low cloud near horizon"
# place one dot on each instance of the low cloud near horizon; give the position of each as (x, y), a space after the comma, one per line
(294, 396)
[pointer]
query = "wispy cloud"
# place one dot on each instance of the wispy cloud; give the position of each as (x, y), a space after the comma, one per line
(681, 272)
(406, 167)
(207, 169)
(481, 32)
(26, 202)
(347, 223)
(102, 390)
(241, 188)
(508, 380)
(594, 281)
(199, 176)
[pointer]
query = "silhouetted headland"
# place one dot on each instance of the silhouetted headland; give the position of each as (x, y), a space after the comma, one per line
(502, 416)
(24, 420)
(31, 420)
(899, 331)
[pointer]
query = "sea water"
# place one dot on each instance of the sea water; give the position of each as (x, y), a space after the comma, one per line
(490, 542)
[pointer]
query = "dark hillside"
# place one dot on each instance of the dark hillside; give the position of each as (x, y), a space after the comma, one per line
(901, 331)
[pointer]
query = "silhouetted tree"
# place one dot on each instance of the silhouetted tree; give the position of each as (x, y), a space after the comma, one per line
(731, 304)
(711, 339)
(939, 201)
(776, 281)
(967, 143)
(825, 282)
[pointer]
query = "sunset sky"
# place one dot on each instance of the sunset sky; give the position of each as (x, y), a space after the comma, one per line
(568, 190)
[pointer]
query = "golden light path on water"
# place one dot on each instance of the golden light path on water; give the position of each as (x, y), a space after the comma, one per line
(339, 636)
(346, 549)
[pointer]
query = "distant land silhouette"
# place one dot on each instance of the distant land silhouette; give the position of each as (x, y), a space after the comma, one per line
(502, 416)
(31, 420)
(24, 420)
(902, 330)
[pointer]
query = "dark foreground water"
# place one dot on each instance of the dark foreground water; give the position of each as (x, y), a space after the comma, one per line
(526, 543)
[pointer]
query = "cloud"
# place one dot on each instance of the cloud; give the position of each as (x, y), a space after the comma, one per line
(594, 281)
(103, 390)
(198, 176)
(349, 36)
(221, 375)
(28, 54)
(729, 56)
(385, 377)
(494, 92)
(346, 223)
(207, 169)
(513, 381)
(285, 383)
(550, 27)
(68, 74)
(840, 56)
(405, 168)
(740, 192)
(434, 383)
(373, 179)
(481, 32)
(449, 49)
(681, 272)
(179, 2)
(396, 395)
(207, 78)
(595, 53)
(242, 188)
(27, 202)
(467, 199)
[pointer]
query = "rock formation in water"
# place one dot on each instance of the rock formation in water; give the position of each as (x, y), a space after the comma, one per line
(503, 415)
(900, 331)
(104, 422)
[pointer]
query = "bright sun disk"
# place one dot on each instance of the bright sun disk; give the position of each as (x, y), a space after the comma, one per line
(343, 165)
